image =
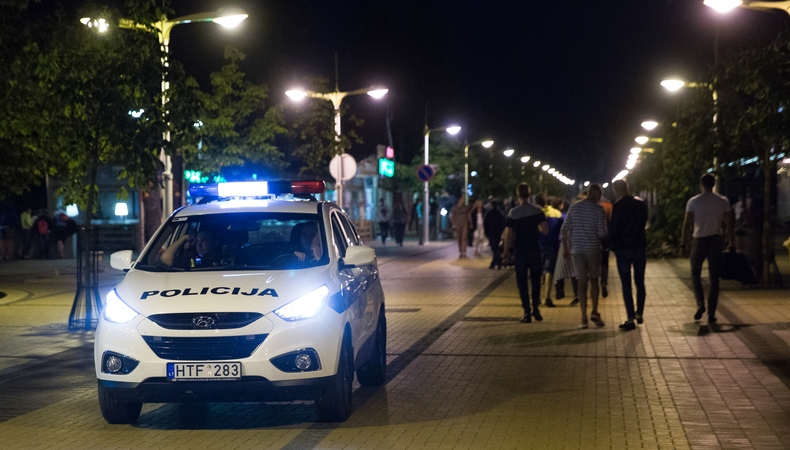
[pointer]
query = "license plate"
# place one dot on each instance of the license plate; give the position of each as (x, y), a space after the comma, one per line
(203, 371)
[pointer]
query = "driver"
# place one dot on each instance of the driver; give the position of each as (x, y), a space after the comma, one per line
(203, 252)
(311, 243)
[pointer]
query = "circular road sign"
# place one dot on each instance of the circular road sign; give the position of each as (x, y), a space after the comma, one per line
(349, 166)
(426, 172)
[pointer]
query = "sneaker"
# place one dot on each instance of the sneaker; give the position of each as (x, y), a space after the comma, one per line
(604, 291)
(583, 326)
(628, 326)
(596, 319)
(699, 313)
(537, 316)
(526, 319)
(575, 301)
(549, 303)
(639, 319)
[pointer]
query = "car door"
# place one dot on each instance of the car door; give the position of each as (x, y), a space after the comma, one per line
(370, 281)
(352, 284)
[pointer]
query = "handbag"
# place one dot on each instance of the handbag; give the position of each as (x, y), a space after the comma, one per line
(735, 266)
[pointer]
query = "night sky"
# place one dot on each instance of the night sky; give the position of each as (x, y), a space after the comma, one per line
(567, 82)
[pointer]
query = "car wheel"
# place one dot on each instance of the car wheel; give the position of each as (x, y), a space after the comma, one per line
(115, 411)
(334, 403)
(374, 371)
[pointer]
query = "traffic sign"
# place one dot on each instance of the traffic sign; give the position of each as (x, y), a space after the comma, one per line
(348, 169)
(426, 172)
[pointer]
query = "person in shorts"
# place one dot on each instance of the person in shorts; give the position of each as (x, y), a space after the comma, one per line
(582, 232)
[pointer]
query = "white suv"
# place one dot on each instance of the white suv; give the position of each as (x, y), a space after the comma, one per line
(245, 296)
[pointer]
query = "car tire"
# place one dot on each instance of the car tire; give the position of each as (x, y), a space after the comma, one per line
(115, 411)
(374, 371)
(334, 403)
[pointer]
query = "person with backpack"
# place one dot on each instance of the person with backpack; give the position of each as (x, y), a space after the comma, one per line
(40, 247)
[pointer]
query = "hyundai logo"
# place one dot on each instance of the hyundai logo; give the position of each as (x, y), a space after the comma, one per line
(203, 321)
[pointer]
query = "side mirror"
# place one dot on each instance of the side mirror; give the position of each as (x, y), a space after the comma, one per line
(358, 256)
(121, 260)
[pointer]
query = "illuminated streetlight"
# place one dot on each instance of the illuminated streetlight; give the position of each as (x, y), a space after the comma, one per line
(642, 140)
(545, 167)
(509, 152)
(724, 6)
(452, 129)
(225, 18)
(336, 97)
(636, 150)
(525, 159)
(649, 125)
(536, 164)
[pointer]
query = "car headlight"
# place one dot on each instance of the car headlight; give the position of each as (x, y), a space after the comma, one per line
(116, 311)
(306, 306)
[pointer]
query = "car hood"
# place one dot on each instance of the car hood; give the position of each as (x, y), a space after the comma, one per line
(243, 291)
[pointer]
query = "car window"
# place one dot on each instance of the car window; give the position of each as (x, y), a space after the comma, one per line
(238, 241)
(348, 227)
(340, 238)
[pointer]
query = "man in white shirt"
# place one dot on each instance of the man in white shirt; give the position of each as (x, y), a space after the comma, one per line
(706, 213)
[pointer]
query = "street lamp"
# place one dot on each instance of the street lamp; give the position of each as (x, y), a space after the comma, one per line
(649, 125)
(336, 98)
(225, 18)
(486, 144)
(724, 6)
(453, 129)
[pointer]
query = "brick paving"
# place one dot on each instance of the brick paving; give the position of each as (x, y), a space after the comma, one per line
(463, 373)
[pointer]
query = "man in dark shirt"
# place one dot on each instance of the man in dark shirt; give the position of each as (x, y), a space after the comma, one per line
(494, 224)
(629, 216)
(523, 224)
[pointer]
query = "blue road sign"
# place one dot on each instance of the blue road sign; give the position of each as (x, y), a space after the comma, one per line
(426, 172)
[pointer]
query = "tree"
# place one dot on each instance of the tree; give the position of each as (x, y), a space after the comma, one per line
(67, 108)
(311, 125)
(761, 79)
(229, 127)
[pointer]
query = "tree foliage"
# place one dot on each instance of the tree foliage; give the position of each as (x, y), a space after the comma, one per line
(311, 126)
(230, 126)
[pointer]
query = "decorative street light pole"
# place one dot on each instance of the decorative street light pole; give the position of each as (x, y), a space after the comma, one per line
(485, 143)
(426, 210)
(228, 19)
(336, 98)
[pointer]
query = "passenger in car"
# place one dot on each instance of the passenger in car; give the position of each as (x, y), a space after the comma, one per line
(309, 242)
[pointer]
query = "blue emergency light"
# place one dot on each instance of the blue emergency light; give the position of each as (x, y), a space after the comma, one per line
(257, 189)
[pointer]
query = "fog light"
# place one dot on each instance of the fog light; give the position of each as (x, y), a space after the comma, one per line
(302, 361)
(117, 364)
(113, 364)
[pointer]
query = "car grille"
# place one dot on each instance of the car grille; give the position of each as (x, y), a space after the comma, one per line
(204, 348)
(204, 321)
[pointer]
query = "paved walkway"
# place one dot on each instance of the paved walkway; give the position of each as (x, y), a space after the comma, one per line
(462, 372)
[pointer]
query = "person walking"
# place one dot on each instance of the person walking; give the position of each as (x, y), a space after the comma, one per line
(629, 244)
(459, 218)
(479, 235)
(494, 225)
(26, 221)
(399, 217)
(523, 225)
(383, 218)
(582, 232)
(706, 213)
(549, 244)
(606, 248)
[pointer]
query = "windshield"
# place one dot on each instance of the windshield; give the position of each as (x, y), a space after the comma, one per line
(238, 241)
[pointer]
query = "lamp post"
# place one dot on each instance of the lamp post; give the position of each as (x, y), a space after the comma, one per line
(426, 210)
(336, 98)
(674, 85)
(486, 144)
(228, 19)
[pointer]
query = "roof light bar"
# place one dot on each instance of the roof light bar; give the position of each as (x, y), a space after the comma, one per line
(257, 188)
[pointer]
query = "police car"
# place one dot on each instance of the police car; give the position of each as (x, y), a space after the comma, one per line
(256, 293)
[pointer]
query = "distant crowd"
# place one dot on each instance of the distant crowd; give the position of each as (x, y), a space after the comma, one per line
(30, 235)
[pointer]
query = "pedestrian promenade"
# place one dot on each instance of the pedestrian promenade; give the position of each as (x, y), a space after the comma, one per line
(462, 371)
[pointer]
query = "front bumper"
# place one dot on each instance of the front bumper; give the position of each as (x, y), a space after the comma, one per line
(248, 389)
